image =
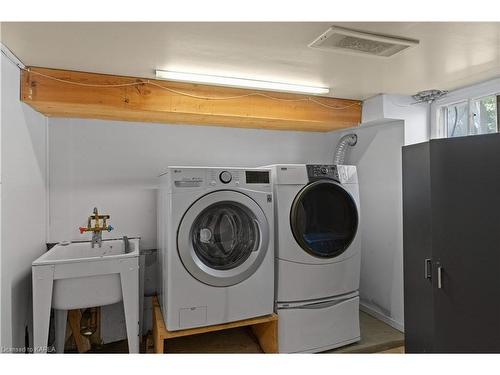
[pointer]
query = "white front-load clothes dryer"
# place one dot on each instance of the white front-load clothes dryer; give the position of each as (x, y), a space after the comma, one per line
(318, 250)
(216, 241)
(317, 231)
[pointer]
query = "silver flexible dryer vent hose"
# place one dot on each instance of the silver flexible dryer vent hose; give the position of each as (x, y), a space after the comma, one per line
(347, 140)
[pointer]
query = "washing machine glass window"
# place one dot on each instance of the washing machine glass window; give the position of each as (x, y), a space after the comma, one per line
(223, 238)
(224, 235)
(324, 219)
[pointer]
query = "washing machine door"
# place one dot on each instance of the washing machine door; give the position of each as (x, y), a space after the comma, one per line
(324, 219)
(223, 238)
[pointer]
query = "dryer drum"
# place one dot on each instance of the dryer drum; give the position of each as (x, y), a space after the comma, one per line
(324, 219)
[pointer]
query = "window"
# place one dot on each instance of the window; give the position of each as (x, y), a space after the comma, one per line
(456, 119)
(484, 115)
(471, 117)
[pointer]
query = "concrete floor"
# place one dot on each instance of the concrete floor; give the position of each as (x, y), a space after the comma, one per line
(376, 337)
(398, 350)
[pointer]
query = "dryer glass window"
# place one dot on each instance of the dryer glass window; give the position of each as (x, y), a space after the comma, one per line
(224, 235)
(324, 219)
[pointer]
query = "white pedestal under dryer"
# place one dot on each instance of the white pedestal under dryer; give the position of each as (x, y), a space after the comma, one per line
(216, 241)
(318, 249)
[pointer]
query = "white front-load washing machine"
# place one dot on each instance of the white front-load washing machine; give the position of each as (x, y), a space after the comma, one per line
(216, 242)
(318, 249)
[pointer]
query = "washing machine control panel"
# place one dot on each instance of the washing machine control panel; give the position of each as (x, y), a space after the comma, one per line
(219, 178)
(321, 171)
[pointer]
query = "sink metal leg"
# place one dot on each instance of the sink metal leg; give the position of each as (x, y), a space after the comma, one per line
(43, 278)
(129, 276)
(61, 317)
(142, 267)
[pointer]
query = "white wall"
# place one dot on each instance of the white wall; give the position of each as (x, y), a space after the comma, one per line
(1, 100)
(389, 122)
(383, 108)
(415, 117)
(23, 203)
(114, 165)
(378, 157)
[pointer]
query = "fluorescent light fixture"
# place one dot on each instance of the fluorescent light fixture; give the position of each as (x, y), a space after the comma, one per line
(239, 82)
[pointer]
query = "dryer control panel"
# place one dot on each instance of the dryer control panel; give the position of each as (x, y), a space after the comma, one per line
(322, 171)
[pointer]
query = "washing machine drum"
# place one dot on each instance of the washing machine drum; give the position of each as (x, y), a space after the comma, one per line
(223, 238)
(324, 219)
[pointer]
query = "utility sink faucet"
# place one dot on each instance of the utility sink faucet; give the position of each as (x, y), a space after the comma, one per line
(97, 229)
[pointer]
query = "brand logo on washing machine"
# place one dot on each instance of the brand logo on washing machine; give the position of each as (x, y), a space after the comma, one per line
(186, 181)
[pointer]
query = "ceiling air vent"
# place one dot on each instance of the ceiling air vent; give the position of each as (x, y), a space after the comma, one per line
(351, 41)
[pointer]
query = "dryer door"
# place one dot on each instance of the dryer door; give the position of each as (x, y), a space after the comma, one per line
(223, 238)
(324, 219)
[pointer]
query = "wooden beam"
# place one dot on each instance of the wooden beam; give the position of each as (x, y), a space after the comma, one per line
(74, 318)
(147, 100)
(267, 335)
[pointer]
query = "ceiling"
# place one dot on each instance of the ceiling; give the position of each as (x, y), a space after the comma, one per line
(450, 55)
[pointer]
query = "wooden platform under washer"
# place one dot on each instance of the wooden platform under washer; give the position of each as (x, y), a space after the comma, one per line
(265, 329)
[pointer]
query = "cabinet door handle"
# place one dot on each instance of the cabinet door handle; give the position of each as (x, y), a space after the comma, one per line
(440, 275)
(427, 266)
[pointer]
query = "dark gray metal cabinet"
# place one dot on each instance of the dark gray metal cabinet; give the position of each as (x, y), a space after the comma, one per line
(451, 234)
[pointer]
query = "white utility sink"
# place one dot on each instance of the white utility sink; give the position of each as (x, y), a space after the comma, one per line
(75, 275)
